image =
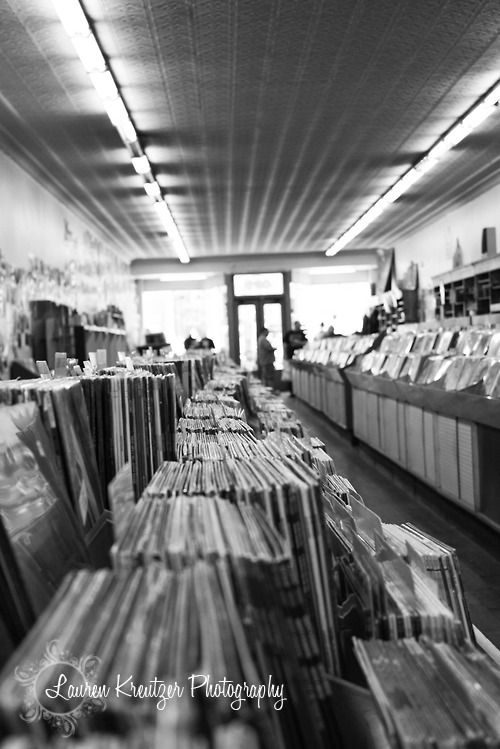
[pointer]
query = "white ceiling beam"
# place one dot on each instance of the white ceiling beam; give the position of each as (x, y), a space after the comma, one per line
(152, 268)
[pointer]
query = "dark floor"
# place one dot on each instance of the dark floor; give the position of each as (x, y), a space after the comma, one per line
(397, 498)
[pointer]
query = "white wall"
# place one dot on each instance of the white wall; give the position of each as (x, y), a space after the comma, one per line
(434, 245)
(62, 257)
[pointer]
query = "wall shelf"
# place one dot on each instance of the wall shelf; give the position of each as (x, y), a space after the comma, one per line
(469, 290)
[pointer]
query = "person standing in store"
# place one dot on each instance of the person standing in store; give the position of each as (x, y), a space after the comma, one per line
(265, 358)
(293, 340)
(206, 343)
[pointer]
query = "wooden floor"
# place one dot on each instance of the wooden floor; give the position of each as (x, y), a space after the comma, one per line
(397, 498)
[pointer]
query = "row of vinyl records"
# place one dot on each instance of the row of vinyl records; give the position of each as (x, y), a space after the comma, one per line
(61, 442)
(98, 423)
(452, 360)
(241, 579)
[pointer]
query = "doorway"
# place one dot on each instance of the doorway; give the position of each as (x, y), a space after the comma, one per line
(254, 313)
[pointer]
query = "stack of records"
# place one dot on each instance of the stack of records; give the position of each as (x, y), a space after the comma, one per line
(133, 418)
(309, 450)
(162, 367)
(44, 531)
(229, 381)
(188, 372)
(65, 418)
(492, 379)
(289, 493)
(440, 562)
(432, 694)
(210, 396)
(338, 488)
(16, 614)
(214, 409)
(272, 413)
(177, 531)
(216, 632)
(398, 581)
(202, 446)
(213, 425)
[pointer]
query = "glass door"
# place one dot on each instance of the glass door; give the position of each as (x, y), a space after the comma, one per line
(252, 315)
(247, 335)
(273, 321)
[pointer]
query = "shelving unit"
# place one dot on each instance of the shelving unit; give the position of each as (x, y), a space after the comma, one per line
(448, 440)
(91, 337)
(324, 388)
(469, 290)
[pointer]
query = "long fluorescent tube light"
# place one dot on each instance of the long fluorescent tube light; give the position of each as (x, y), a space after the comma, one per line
(126, 131)
(116, 111)
(104, 84)
(76, 25)
(169, 224)
(141, 164)
(478, 114)
(72, 17)
(152, 189)
(89, 53)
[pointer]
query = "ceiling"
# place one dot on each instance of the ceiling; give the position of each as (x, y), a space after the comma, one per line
(271, 125)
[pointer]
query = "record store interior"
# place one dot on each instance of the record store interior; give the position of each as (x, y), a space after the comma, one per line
(249, 374)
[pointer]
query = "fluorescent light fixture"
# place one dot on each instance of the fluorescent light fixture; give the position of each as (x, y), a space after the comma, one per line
(152, 189)
(72, 17)
(165, 216)
(478, 114)
(141, 164)
(74, 21)
(493, 97)
(439, 150)
(127, 131)
(89, 53)
(104, 84)
(456, 134)
(169, 224)
(426, 164)
(116, 110)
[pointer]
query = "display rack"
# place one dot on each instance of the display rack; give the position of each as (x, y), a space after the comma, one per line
(469, 290)
(91, 338)
(449, 440)
(324, 388)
